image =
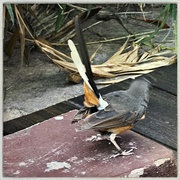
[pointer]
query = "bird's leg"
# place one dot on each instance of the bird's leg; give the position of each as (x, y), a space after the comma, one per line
(121, 152)
(112, 139)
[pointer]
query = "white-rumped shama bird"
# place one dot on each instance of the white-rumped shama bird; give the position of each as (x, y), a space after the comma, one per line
(113, 113)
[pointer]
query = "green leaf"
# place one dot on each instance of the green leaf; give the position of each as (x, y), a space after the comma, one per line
(11, 13)
(165, 14)
(173, 10)
(60, 17)
(89, 9)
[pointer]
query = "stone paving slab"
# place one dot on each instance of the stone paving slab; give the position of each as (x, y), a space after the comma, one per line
(54, 149)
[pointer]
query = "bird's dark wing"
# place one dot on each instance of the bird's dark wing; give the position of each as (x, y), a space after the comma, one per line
(122, 111)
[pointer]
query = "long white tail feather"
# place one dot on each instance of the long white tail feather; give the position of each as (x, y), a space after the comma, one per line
(82, 71)
(77, 61)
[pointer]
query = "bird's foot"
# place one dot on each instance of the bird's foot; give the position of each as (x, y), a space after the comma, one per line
(123, 153)
(127, 153)
(97, 137)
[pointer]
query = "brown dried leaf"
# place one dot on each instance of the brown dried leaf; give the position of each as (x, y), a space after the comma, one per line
(101, 72)
(144, 57)
(74, 77)
(11, 43)
(123, 77)
(132, 56)
(93, 55)
(46, 48)
(128, 57)
(123, 65)
(22, 40)
(117, 79)
(65, 64)
(112, 67)
(113, 59)
(44, 41)
(153, 64)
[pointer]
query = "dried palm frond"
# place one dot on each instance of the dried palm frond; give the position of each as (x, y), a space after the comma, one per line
(122, 65)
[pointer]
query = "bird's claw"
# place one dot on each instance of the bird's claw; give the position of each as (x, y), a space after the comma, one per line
(127, 153)
(123, 153)
(93, 138)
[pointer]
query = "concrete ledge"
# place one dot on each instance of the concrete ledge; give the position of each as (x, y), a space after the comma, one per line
(53, 149)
